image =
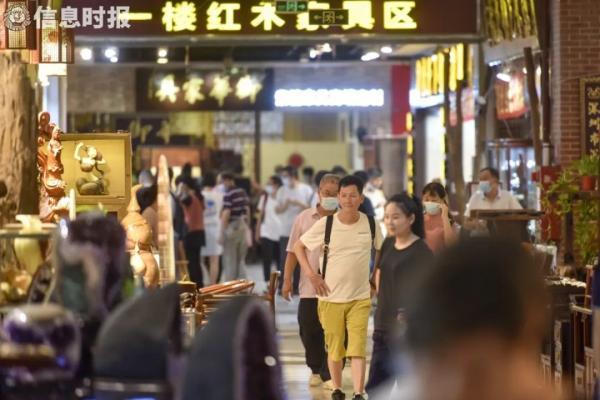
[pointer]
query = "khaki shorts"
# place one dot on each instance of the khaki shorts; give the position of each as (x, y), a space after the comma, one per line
(336, 319)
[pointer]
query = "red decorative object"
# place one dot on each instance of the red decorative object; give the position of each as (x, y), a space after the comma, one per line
(400, 98)
(296, 160)
(588, 183)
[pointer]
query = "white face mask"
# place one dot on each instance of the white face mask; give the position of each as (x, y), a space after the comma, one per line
(269, 189)
(329, 203)
(431, 207)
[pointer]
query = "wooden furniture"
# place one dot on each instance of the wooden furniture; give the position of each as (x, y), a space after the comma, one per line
(209, 298)
(581, 320)
(509, 223)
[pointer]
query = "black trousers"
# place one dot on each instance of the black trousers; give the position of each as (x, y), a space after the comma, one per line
(192, 243)
(283, 243)
(269, 251)
(381, 370)
(313, 338)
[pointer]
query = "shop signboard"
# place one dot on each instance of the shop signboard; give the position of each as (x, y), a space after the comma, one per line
(431, 18)
(590, 113)
(510, 96)
(209, 90)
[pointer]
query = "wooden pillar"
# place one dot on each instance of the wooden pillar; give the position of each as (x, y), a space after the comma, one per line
(257, 141)
(18, 147)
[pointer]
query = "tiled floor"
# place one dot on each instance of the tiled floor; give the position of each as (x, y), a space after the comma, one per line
(296, 373)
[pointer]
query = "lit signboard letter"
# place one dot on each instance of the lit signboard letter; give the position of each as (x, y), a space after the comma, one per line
(248, 87)
(179, 17)
(216, 21)
(221, 89)
(267, 16)
(303, 21)
(192, 90)
(396, 15)
(360, 14)
(168, 89)
(329, 98)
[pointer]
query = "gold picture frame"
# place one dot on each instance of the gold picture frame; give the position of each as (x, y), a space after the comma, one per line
(98, 167)
(589, 91)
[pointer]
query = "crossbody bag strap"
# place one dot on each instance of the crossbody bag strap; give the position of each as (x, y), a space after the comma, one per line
(372, 227)
(328, 226)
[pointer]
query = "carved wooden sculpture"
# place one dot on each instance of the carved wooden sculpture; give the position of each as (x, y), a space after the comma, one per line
(139, 242)
(166, 245)
(53, 202)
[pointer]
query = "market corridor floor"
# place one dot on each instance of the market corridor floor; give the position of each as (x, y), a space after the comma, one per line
(296, 373)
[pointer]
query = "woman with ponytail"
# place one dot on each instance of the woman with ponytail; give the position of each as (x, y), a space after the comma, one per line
(440, 229)
(402, 253)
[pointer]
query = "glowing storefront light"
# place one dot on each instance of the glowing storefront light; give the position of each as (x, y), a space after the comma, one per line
(329, 98)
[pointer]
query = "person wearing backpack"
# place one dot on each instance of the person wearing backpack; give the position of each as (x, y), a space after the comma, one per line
(310, 329)
(343, 287)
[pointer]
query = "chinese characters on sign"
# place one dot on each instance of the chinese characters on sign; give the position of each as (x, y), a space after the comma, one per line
(114, 17)
(289, 17)
(429, 71)
(590, 113)
(183, 90)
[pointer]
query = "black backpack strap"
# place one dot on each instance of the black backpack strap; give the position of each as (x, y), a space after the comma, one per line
(372, 227)
(328, 226)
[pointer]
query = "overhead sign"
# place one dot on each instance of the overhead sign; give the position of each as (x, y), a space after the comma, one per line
(259, 17)
(329, 98)
(329, 17)
(192, 90)
(291, 6)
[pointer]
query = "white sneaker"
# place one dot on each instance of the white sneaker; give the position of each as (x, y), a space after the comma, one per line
(315, 380)
(328, 385)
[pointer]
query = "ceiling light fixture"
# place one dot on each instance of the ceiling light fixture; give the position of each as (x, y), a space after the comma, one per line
(386, 49)
(162, 60)
(503, 76)
(163, 52)
(86, 54)
(370, 56)
(111, 52)
(114, 59)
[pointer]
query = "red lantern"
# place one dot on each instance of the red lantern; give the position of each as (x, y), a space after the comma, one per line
(296, 160)
(17, 25)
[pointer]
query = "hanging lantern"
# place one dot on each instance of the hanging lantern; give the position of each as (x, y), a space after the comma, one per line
(54, 44)
(17, 27)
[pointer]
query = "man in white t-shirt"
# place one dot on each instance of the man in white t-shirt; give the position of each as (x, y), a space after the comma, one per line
(343, 288)
(489, 197)
(293, 198)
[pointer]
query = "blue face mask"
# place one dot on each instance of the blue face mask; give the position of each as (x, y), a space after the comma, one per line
(329, 203)
(485, 187)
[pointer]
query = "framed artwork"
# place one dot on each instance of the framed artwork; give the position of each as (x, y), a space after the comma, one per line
(98, 167)
(590, 113)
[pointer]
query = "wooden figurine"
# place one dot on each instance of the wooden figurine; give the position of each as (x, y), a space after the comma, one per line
(54, 204)
(139, 242)
(166, 245)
